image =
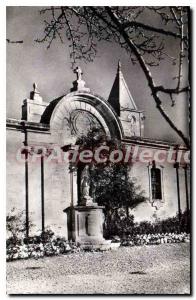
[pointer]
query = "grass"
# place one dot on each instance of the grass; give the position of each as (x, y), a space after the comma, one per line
(158, 269)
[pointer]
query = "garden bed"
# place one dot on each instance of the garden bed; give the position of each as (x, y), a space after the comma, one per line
(36, 248)
(156, 239)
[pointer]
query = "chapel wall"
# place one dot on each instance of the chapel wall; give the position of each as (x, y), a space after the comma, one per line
(57, 194)
(56, 184)
(15, 172)
(169, 207)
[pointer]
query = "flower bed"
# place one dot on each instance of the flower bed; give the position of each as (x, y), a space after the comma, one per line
(47, 244)
(155, 239)
(36, 248)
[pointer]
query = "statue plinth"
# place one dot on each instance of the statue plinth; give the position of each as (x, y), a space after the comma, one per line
(85, 220)
(88, 201)
(85, 226)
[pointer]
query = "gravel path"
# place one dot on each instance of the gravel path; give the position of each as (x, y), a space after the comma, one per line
(159, 269)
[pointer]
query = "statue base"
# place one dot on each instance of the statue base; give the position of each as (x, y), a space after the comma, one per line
(85, 227)
(88, 201)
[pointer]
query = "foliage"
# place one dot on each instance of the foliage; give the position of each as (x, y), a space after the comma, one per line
(165, 226)
(111, 185)
(116, 192)
(42, 244)
(126, 227)
(94, 138)
(122, 228)
(16, 224)
(119, 227)
(146, 44)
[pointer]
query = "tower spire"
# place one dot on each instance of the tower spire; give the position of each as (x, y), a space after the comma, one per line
(120, 97)
(119, 66)
(122, 102)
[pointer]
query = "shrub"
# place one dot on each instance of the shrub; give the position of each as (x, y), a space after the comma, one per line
(120, 226)
(164, 226)
(15, 224)
(124, 226)
(44, 244)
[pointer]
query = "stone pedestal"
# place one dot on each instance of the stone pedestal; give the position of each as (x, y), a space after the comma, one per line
(85, 227)
(85, 220)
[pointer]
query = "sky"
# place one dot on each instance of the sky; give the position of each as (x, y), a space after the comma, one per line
(31, 62)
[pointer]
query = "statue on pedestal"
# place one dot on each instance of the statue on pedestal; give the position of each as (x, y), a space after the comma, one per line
(85, 220)
(85, 185)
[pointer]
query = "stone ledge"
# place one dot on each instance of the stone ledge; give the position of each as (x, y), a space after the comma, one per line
(104, 246)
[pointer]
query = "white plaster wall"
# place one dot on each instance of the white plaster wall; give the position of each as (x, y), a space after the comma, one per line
(169, 208)
(57, 187)
(57, 195)
(56, 180)
(15, 172)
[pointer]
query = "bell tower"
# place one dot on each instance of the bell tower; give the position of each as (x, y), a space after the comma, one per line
(121, 100)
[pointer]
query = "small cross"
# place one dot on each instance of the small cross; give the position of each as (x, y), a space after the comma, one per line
(79, 73)
(35, 87)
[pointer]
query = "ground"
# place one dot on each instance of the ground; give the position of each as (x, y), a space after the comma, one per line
(158, 269)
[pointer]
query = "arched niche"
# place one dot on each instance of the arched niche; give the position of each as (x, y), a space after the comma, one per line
(75, 113)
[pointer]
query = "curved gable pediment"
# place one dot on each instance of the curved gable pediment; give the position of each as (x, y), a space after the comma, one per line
(77, 112)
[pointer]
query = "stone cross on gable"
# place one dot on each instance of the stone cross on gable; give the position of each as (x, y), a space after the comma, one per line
(35, 88)
(79, 83)
(79, 73)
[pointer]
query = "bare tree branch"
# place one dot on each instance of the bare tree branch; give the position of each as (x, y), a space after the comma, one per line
(84, 27)
(148, 75)
(150, 28)
(14, 42)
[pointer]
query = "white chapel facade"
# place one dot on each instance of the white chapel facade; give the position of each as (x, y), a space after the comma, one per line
(45, 190)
